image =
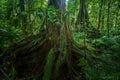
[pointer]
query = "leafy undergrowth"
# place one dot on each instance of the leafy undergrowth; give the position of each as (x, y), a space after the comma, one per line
(102, 56)
(100, 60)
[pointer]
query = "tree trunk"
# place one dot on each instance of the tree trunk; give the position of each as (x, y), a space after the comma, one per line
(100, 14)
(108, 18)
(24, 17)
(83, 24)
(83, 13)
(54, 53)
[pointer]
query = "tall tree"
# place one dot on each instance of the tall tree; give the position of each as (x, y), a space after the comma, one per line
(55, 50)
(100, 14)
(83, 24)
(103, 16)
(24, 16)
(108, 18)
(22, 5)
(83, 13)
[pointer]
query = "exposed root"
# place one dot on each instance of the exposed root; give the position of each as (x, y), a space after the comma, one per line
(30, 59)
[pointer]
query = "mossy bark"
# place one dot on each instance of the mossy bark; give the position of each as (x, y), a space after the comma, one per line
(55, 53)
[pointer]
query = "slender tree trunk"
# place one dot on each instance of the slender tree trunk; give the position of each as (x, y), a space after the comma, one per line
(116, 17)
(83, 13)
(30, 4)
(24, 17)
(108, 18)
(103, 16)
(100, 14)
(22, 8)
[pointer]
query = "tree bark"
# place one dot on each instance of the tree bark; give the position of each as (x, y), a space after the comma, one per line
(24, 17)
(53, 54)
(100, 14)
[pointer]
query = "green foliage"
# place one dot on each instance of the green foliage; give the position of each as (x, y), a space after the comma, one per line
(100, 47)
(102, 56)
(54, 16)
(110, 55)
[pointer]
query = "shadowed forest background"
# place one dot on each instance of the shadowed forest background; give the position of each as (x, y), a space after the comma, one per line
(59, 39)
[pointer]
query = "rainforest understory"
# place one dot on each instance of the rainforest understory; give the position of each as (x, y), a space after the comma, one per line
(59, 40)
